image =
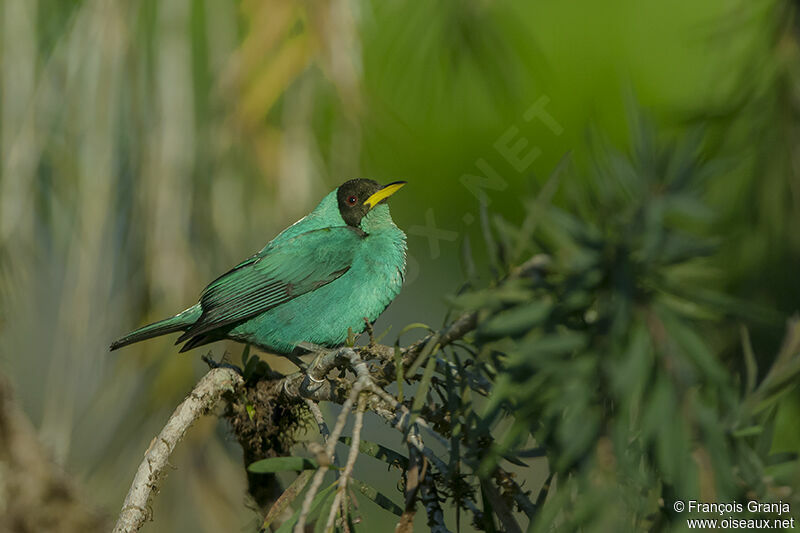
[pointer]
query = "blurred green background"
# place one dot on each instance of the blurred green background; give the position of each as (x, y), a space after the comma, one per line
(147, 146)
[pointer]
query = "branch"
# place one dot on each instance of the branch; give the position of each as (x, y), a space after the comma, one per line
(135, 511)
(453, 332)
(317, 386)
(430, 499)
(319, 419)
(415, 471)
(314, 385)
(341, 491)
(329, 450)
(285, 499)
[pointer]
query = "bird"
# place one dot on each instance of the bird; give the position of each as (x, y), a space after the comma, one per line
(314, 283)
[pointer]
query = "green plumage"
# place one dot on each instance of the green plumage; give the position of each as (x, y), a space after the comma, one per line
(341, 264)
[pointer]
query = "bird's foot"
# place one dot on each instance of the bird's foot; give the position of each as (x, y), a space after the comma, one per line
(313, 366)
(306, 348)
(319, 352)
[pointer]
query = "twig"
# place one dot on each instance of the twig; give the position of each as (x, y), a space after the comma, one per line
(285, 499)
(460, 327)
(341, 492)
(359, 385)
(400, 423)
(322, 470)
(384, 404)
(388, 408)
(405, 416)
(414, 473)
(320, 388)
(135, 511)
(430, 499)
(317, 414)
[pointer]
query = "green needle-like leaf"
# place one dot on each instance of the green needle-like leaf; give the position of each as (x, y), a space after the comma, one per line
(282, 464)
(382, 453)
(374, 495)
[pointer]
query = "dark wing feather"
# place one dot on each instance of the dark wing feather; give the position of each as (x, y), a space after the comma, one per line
(281, 272)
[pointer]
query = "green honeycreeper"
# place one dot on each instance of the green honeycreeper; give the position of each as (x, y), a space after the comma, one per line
(343, 262)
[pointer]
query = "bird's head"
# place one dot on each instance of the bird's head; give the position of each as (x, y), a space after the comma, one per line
(358, 198)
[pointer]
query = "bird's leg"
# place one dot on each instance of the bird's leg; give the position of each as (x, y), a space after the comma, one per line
(316, 349)
(313, 365)
(370, 331)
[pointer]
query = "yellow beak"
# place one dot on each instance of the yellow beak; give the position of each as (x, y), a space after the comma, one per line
(385, 192)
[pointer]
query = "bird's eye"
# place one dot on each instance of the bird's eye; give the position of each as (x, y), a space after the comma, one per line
(352, 200)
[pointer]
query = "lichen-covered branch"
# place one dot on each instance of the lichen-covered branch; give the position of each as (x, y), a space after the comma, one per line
(359, 385)
(341, 491)
(319, 419)
(135, 510)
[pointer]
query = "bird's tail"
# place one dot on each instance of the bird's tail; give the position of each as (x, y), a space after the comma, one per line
(179, 322)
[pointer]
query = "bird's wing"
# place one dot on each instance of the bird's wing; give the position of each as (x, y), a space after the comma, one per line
(277, 274)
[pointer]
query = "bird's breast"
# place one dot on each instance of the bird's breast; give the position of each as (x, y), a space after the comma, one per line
(379, 269)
